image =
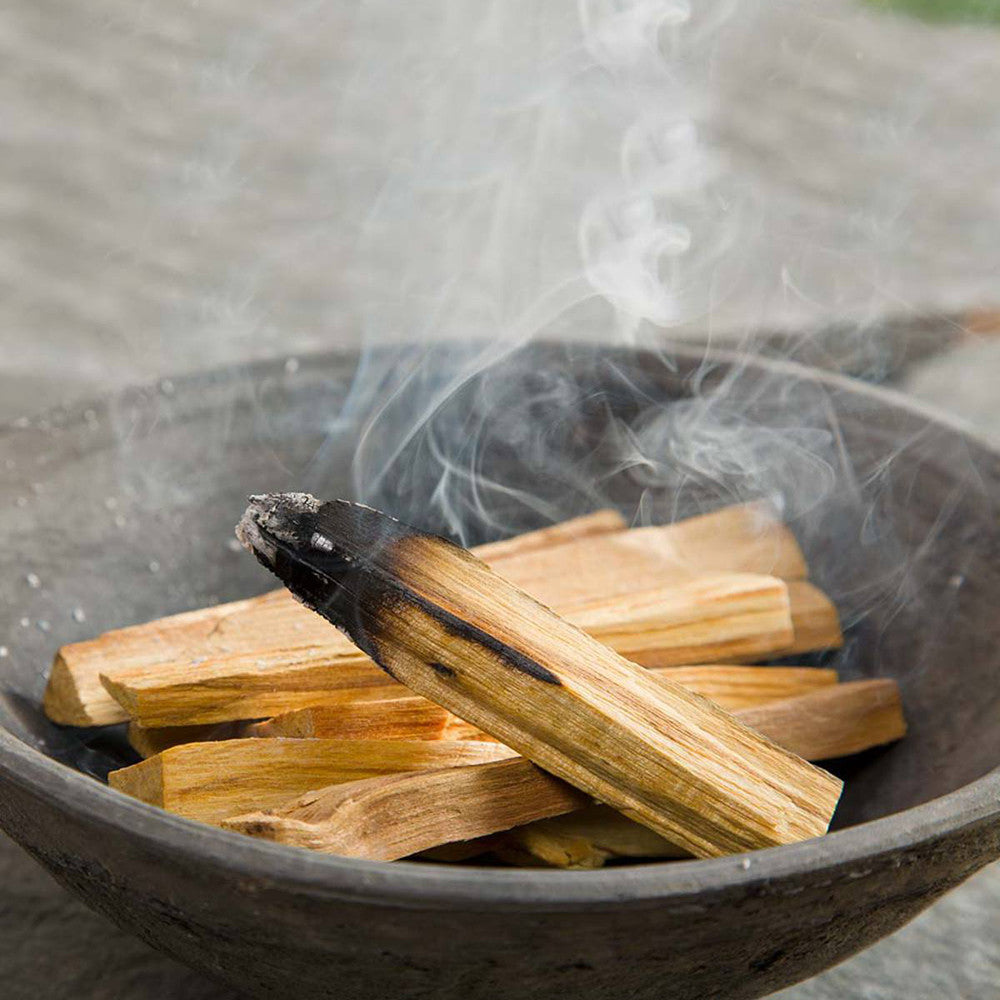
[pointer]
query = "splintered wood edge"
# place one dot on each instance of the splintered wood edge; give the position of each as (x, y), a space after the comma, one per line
(383, 819)
(142, 781)
(868, 713)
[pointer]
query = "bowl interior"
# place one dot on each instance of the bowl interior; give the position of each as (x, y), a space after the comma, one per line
(124, 512)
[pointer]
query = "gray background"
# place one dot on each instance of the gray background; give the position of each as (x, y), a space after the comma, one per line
(185, 185)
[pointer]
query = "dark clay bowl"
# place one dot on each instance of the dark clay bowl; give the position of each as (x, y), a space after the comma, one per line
(124, 511)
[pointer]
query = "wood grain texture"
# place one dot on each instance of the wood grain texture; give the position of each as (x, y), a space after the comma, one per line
(209, 781)
(388, 818)
(745, 538)
(150, 742)
(584, 839)
(75, 695)
(442, 622)
(833, 721)
(378, 713)
(829, 722)
(394, 712)
(236, 637)
(716, 617)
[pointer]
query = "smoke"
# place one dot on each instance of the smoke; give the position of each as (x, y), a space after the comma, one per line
(578, 179)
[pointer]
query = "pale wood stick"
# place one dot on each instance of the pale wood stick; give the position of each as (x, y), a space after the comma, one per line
(743, 538)
(442, 622)
(388, 818)
(599, 522)
(814, 618)
(737, 687)
(831, 722)
(854, 716)
(709, 618)
(394, 712)
(150, 742)
(834, 721)
(75, 696)
(209, 781)
(584, 839)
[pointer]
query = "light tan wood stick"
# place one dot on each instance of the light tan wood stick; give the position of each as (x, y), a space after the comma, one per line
(388, 818)
(396, 713)
(379, 713)
(443, 623)
(600, 522)
(150, 742)
(584, 839)
(814, 618)
(835, 721)
(743, 538)
(209, 781)
(711, 618)
(830, 722)
(854, 716)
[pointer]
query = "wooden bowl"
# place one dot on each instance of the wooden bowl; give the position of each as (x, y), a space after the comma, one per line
(124, 510)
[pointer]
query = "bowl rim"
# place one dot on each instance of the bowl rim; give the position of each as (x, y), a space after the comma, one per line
(846, 854)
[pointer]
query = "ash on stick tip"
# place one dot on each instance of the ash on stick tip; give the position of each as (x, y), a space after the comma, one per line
(271, 516)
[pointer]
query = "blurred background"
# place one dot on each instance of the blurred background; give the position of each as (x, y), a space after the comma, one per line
(206, 183)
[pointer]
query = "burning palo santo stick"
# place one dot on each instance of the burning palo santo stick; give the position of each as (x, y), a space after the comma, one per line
(443, 623)
(75, 695)
(209, 781)
(745, 538)
(833, 721)
(394, 712)
(710, 618)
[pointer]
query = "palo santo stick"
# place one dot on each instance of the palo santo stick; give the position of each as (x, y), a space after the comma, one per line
(599, 522)
(209, 781)
(441, 621)
(75, 696)
(584, 839)
(388, 818)
(737, 687)
(814, 619)
(149, 742)
(709, 618)
(829, 722)
(834, 721)
(742, 539)
(745, 538)
(392, 712)
(395, 712)
(853, 716)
